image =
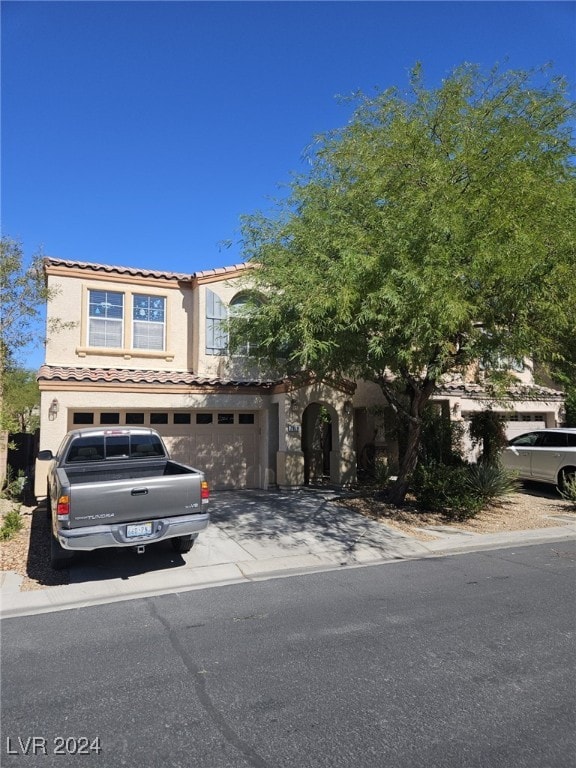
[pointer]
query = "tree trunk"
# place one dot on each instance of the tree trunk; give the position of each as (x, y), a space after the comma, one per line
(419, 397)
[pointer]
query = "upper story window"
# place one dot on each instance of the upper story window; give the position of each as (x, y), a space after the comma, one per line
(216, 318)
(244, 304)
(126, 321)
(216, 314)
(148, 314)
(106, 315)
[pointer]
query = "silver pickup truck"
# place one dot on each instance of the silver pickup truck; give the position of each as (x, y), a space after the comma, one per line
(118, 488)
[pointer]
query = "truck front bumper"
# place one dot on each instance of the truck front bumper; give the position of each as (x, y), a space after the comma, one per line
(100, 536)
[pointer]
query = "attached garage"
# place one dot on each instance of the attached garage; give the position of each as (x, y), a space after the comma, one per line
(225, 445)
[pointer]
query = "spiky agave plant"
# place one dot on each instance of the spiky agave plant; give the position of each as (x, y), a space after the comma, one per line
(490, 481)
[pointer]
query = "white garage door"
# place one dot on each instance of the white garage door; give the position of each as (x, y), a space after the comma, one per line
(519, 423)
(515, 428)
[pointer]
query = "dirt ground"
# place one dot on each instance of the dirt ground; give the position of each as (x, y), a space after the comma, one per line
(28, 553)
(532, 507)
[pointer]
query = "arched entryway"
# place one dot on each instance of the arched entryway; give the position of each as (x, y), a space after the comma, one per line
(319, 437)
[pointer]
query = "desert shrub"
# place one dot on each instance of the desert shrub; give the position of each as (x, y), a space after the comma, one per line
(487, 431)
(568, 490)
(570, 406)
(382, 471)
(445, 488)
(14, 486)
(489, 481)
(11, 524)
(441, 439)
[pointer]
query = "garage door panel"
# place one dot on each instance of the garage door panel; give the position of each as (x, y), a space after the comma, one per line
(227, 455)
(178, 448)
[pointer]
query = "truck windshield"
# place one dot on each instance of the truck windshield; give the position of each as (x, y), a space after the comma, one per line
(110, 447)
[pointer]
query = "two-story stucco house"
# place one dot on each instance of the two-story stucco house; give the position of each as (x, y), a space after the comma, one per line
(150, 348)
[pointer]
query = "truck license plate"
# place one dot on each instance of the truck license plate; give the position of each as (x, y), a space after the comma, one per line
(141, 529)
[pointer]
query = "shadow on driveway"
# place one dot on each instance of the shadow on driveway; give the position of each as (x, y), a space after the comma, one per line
(288, 519)
(245, 526)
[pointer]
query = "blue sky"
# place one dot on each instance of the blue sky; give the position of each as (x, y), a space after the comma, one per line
(137, 133)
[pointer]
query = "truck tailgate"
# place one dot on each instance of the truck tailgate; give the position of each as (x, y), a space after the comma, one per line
(124, 501)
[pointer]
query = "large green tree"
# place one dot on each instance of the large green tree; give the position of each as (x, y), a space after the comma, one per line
(436, 228)
(562, 370)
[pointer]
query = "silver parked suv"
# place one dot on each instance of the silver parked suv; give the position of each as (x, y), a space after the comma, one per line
(545, 455)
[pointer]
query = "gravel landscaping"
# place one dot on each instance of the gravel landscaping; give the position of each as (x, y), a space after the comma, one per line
(528, 509)
(28, 553)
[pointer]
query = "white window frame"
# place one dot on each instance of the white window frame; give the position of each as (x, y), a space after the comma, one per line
(126, 348)
(113, 320)
(148, 323)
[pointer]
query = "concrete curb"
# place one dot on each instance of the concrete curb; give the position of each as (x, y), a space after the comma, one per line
(15, 603)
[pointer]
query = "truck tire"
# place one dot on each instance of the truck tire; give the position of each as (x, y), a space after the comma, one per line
(182, 544)
(59, 557)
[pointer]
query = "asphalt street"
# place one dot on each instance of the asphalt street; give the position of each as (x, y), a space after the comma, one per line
(464, 661)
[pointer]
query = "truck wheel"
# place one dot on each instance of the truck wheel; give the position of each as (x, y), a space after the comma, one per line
(59, 557)
(182, 544)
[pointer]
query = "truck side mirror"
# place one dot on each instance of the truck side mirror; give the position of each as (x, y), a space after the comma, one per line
(45, 455)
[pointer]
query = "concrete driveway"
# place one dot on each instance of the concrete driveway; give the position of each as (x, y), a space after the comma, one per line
(273, 531)
(252, 535)
(256, 533)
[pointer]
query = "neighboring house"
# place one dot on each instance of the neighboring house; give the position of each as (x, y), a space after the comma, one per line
(150, 348)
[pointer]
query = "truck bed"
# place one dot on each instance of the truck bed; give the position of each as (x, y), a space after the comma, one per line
(130, 470)
(127, 491)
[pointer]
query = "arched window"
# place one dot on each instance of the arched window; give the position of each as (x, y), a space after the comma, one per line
(245, 303)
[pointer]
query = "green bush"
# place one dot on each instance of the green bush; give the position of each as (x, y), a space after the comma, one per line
(14, 486)
(11, 524)
(445, 488)
(568, 490)
(487, 431)
(441, 439)
(489, 481)
(382, 471)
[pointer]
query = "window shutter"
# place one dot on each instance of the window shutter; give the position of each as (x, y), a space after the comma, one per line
(216, 314)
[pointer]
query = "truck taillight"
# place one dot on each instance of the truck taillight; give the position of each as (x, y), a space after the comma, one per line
(63, 506)
(204, 492)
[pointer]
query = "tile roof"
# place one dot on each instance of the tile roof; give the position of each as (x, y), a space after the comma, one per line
(138, 376)
(135, 271)
(117, 270)
(222, 270)
(516, 391)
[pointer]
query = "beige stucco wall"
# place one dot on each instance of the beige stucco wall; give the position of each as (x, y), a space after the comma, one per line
(290, 458)
(223, 366)
(368, 394)
(69, 347)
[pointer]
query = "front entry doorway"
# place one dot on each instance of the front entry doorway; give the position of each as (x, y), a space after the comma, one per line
(318, 427)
